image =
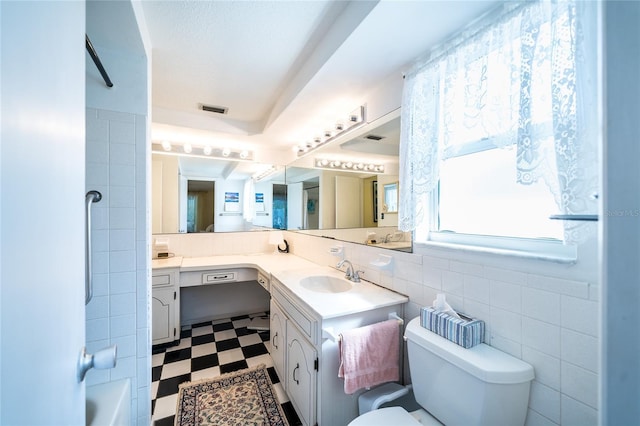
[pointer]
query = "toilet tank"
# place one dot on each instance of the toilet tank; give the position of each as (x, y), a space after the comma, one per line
(476, 386)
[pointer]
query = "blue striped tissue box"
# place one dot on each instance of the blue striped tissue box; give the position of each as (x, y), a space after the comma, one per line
(464, 331)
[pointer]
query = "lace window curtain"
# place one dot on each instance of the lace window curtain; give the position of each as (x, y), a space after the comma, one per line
(522, 75)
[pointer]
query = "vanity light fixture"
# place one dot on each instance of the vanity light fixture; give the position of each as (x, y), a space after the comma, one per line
(348, 166)
(270, 170)
(201, 151)
(354, 119)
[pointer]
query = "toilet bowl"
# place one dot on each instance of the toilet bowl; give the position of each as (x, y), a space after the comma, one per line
(457, 386)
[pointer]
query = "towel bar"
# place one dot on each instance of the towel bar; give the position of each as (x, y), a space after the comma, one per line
(329, 333)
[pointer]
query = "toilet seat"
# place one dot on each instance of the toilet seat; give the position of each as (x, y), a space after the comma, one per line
(395, 416)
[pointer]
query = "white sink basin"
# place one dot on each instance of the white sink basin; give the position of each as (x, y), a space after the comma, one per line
(326, 284)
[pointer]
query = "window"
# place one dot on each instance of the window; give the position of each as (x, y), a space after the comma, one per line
(498, 132)
(478, 194)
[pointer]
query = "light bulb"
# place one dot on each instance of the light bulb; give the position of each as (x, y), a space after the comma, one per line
(206, 150)
(166, 145)
(244, 154)
(226, 152)
(187, 148)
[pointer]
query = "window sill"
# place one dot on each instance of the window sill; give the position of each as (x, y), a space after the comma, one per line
(569, 255)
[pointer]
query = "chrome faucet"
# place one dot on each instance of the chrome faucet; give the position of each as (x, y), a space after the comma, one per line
(387, 238)
(350, 273)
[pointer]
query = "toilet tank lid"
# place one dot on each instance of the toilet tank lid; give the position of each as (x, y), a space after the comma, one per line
(486, 363)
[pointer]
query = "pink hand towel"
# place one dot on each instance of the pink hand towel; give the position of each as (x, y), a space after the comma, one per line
(369, 355)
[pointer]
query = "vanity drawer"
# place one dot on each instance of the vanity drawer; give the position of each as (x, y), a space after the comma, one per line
(216, 276)
(163, 278)
(305, 322)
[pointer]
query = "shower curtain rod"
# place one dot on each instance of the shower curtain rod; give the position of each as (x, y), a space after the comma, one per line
(96, 60)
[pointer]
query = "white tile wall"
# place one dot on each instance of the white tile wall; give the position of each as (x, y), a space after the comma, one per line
(116, 165)
(542, 312)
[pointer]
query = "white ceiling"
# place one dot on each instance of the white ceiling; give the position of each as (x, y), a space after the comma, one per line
(284, 69)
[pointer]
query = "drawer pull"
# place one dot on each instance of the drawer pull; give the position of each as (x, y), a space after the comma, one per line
(294, 373)
(273, 341)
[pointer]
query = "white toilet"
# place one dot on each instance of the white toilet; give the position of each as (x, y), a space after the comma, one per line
(458, 386)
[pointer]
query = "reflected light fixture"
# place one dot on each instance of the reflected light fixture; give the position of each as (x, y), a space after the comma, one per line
(206, 150)
(166, 145)
(354, 119)
(348, 166)
(270, 170)
(187, 148)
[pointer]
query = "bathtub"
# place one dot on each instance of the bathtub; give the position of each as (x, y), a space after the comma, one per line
(109, 404)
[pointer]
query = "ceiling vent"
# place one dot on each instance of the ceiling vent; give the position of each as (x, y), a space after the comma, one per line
(374, 137)
(215, 109)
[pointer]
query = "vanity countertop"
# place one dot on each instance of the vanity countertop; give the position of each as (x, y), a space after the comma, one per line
(362, 297)
(289, 270)
(168, 262)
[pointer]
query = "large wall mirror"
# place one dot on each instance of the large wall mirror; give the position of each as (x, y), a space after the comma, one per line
(304, 196)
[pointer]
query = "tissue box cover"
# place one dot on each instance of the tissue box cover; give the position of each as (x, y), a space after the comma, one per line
(464, 331)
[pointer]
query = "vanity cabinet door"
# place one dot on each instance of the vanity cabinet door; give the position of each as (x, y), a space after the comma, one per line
(301, 378)
(278, 329)
(163, 305)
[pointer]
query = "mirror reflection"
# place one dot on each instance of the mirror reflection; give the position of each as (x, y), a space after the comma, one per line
(206, 195)
(390, 198)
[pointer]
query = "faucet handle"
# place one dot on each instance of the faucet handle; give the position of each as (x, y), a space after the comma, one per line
(355, 277)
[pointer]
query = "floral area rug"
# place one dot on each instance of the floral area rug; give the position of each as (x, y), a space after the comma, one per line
(244, 397)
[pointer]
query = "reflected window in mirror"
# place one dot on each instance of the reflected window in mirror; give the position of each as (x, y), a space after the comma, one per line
(391, 197)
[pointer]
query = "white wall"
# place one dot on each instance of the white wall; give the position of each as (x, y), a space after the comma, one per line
(165, 193)
(228, 221)
(118, 165)
(260, 219)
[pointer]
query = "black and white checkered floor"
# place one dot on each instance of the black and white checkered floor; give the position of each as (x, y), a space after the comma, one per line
(206, 350)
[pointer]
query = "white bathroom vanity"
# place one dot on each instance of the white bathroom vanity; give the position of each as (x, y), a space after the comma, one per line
(310, 305)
